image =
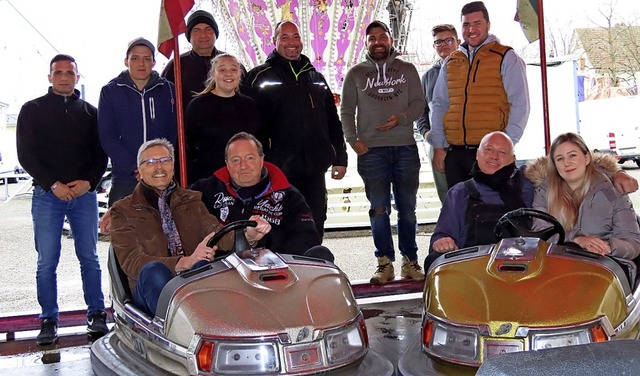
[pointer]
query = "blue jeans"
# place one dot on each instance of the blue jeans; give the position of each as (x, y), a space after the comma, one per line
(385, 169)
(152, 279)
(48, 214)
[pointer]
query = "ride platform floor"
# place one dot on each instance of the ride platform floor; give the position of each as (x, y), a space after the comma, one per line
(392, 324)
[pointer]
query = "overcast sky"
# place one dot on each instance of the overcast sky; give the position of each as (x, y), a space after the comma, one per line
(96, 33)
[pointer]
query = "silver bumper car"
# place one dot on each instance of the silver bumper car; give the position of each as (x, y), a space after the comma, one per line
(248, 312)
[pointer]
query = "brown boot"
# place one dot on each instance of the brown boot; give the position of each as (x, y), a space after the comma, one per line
(384, 272)
(411, 269)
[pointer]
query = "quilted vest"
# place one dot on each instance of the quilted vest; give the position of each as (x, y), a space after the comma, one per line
(477, 100)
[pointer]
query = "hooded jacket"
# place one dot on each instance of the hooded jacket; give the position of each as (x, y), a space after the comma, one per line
(57, 140)
(604, 212)
(127, 117)
(514, 80)
(279, 203)
(298, 114)
(477, 99)
(378, 90)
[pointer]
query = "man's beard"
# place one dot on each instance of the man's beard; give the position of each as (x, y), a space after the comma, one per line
(379, 55)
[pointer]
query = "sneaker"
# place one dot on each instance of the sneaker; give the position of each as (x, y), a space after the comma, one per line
(48, 332)
(411, 269)
(97, 324)
(384, 272)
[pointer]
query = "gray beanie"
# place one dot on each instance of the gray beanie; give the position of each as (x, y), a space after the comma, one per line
(198, 17)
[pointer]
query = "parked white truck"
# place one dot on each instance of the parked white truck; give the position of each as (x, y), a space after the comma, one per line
(612, 125)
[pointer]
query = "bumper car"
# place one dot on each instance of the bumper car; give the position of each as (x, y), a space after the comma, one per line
(523, 293)
(248, 312)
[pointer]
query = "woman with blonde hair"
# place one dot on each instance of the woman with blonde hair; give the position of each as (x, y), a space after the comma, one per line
(214, 115)
(584, 200)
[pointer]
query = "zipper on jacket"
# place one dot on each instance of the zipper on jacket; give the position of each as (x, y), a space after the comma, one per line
(475, 72)
(464, 108)
(144, 118)
(152, 108)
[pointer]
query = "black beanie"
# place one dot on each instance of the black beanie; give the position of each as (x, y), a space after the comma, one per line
(198, 17)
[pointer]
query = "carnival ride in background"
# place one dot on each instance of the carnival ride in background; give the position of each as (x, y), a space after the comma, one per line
(332, 31)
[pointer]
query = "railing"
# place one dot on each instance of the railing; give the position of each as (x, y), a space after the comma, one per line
(23, 179)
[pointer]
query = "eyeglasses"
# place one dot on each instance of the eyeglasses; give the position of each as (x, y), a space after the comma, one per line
(448, 41)
(165, 161)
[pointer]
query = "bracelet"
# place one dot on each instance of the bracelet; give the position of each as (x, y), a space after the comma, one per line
(54, 186)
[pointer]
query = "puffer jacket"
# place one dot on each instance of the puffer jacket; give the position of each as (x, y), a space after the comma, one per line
(136, 229)
(478, 101)
(604, 212)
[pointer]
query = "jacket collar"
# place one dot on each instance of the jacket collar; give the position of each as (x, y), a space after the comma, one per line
(125, 79)
(275, 59)
(62, 98)
(277, 178)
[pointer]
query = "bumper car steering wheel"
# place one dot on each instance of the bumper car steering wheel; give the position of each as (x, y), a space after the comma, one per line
(508, 225)
(239, 245)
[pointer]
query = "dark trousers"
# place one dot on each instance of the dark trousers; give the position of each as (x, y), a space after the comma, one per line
(120, 189)
(314, 190)
(458, 163)
(431, 257)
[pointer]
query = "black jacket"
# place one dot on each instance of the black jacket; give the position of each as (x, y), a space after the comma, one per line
(299, 116)
(57, 140)
(293, 230)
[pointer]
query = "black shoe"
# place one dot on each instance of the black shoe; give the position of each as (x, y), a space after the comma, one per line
(48, 332)
(97, 324)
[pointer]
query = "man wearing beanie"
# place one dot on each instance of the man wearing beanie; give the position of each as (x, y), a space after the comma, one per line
(202, 33)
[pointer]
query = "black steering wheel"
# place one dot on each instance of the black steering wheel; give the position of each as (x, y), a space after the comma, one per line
(239, 245)
(508, 226)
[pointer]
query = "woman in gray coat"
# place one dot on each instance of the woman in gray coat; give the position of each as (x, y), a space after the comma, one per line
(593, 213)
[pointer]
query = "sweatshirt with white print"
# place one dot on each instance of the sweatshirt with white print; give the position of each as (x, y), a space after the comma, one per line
(374, 91)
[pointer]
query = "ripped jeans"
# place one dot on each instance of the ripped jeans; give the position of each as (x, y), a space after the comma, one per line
(385, 169)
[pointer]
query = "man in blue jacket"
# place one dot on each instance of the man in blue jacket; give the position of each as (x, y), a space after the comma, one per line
(134, 107)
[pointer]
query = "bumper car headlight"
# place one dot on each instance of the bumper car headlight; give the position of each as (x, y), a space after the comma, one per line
(452, 343)
(246, 358)
(541, 341)
(346, 343)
